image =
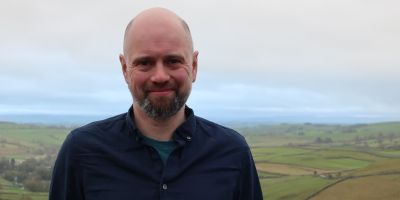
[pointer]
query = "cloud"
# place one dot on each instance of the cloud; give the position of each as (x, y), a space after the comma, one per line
(258, 57)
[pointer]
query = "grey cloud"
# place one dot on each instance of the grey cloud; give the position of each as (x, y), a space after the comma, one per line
(335, 54)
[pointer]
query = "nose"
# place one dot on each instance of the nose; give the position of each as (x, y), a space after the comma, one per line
(160, 74)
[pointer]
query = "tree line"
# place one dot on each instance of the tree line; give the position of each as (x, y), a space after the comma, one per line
(33, 174)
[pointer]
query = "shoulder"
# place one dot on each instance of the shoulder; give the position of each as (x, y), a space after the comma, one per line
(94, 134)
(101, 128)
(219, 132)
(101, 125)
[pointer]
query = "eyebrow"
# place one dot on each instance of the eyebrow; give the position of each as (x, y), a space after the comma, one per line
(177, 56)
(141, 58)
(148, 57)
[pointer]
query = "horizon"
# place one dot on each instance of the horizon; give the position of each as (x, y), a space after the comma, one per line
(80, 120)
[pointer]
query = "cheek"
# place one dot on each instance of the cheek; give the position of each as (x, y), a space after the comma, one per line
(137, 79)
(182, 75)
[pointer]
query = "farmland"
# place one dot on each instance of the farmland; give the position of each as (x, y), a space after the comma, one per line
(294, 161)
(317, 161)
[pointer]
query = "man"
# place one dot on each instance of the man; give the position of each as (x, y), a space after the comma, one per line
(159, 149)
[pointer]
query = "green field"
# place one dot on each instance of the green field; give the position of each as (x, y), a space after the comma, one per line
(294, 161)
(314, 161)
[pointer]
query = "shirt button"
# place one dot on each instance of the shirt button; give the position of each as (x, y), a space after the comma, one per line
(164, 186)
(188, 137)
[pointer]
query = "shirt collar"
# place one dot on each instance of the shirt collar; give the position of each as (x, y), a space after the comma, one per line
(184, 133)
(131, 123)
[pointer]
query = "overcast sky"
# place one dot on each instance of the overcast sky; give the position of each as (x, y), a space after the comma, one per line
(307, 60)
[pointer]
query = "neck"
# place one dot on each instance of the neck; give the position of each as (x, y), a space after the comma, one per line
(158, 129)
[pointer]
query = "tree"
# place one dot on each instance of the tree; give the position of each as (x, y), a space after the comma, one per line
(357, 139)
(36, 185)
(43, 173)
(28, 165)
(15, 176)
(12, 163)
(366, 144)
(4, 164)
(391, 137)
(328, 140)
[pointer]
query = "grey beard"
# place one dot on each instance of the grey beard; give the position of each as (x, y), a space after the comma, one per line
(162, 112)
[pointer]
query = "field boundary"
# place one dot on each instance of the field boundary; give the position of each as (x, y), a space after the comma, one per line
(349, 178)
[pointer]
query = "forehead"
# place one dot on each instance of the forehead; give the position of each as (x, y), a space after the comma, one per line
(151, 34)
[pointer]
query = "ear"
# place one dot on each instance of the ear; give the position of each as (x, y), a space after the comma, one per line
(194, 65)
(124, 67)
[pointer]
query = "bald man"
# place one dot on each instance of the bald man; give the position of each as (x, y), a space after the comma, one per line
(159, 149)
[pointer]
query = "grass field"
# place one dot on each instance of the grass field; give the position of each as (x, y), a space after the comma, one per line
(294, 161)
(301, 174)
(369, 187)
(10, 192)
(294, 164)
(292, 187)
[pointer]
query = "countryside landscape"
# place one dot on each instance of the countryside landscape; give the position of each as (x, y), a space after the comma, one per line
(294, 161)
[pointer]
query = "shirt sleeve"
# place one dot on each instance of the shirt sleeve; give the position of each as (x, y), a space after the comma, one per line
(66, 184)
(249, 184)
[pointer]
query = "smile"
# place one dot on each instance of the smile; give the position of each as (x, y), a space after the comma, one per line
(161, 92)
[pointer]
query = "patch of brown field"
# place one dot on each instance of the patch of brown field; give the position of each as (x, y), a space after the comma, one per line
(383, 166)
(366, 188)
(288, 169)
(11, 149)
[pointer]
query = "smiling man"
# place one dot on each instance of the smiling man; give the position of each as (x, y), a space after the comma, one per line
(159, 149)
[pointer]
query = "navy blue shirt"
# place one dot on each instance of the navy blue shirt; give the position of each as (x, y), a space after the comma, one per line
(107, 160)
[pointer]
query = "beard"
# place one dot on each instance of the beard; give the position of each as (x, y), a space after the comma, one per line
(162, 107)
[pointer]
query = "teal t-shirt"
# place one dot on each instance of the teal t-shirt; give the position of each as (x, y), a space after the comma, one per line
(164, 148)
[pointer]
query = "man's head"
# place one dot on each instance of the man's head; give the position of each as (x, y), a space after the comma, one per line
(158, 62)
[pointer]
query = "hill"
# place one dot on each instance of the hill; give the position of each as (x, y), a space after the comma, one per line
(294, 161)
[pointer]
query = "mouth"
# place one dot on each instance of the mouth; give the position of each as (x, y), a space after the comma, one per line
(161, 91)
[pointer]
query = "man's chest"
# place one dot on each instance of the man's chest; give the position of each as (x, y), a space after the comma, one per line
(206, 178)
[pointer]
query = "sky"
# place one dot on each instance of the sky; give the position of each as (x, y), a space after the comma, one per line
(271, 60)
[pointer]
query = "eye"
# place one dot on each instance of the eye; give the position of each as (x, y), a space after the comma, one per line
(143, 63)
(173, 61)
